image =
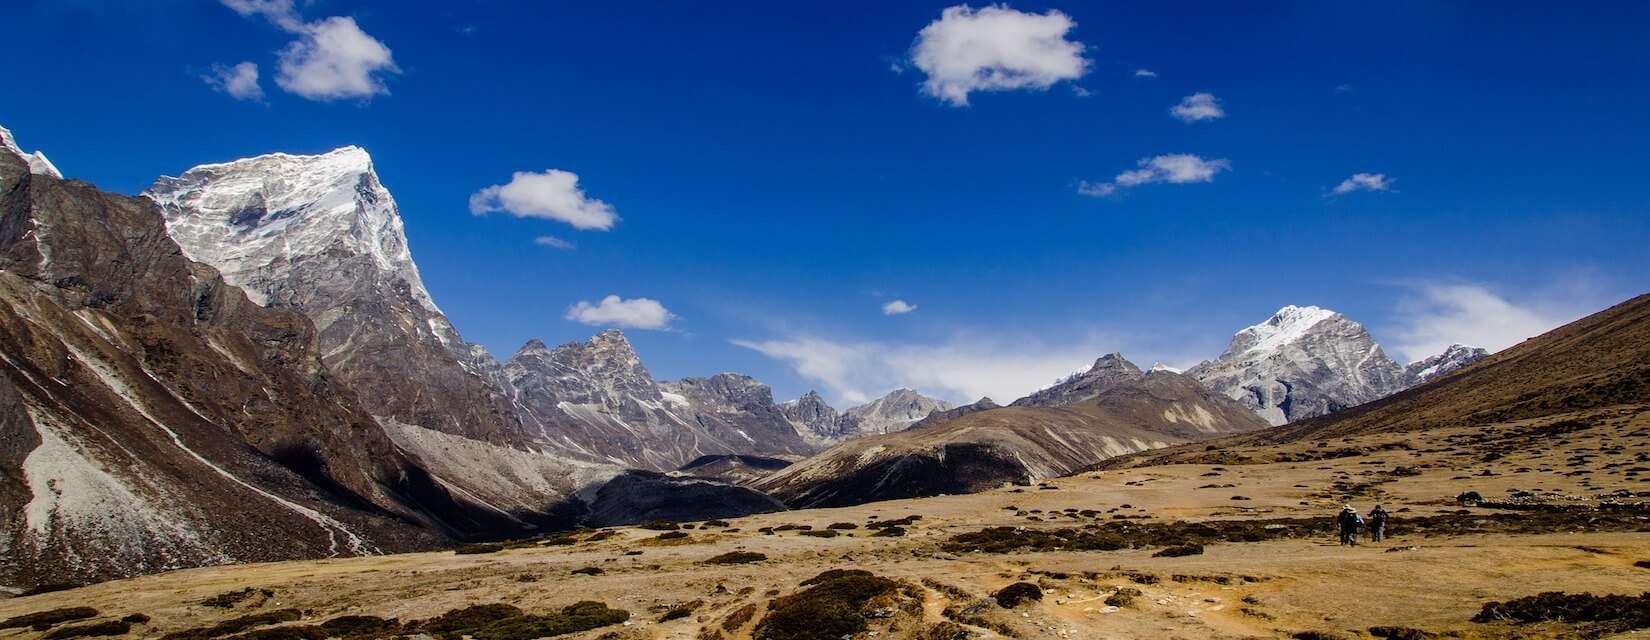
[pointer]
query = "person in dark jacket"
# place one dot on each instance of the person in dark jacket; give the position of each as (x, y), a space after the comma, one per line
(1377, 523)
(1349, 521)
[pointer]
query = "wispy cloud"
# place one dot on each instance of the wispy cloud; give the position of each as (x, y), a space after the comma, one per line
(551, 195)
(1177, 168)
(1198, 107)
(1145, 73)
(1363, 182)
(554, 243)
(332, 59)
(613, 311)
(897, 307)
(995, 49)
(1438, 315)
(238, 81)
(962, 369)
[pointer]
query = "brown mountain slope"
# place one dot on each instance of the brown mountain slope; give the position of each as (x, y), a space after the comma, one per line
(152, 417)
(1012, 444)
(1601, 360)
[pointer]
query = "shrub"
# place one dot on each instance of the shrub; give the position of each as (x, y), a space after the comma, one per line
(369, 626)
(1183, 550)
(479, 547)
(671, 535)
(588, 571)
(236, 625)
(229, 599)
(660, 525)
(889, 532)
(823, 533)
(105, 628)
(827, 610)
(737, 557)
(843, 526)
(44, 620)
(1015, 594)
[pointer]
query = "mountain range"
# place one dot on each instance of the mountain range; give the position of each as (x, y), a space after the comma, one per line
(243, 363)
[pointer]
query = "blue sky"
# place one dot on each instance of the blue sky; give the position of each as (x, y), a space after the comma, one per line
(779, 173)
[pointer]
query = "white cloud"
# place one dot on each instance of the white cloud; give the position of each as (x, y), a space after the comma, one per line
(1363, 182)
(1440, 315)
(1198, 106)
(962, 369)
(335, 59)
(282, 13)
(613, 311)
(1145, 73)
(995, 49)
(332, 58)
(553, 242)
(239, 81)
(552, 195)
(1175, 168)
(897, 307)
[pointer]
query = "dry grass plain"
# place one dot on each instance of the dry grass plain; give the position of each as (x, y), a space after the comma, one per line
(1433, 581)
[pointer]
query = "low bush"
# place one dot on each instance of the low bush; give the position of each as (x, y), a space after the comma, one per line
(1016, 594)
(43, 620)
(737, 557)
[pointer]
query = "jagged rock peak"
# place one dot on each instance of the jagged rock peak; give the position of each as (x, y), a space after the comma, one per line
(1456, 356)
(37, 161)
(1112, 362)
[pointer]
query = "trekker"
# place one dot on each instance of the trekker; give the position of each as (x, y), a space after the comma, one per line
(1377, 524)
(1349, 520)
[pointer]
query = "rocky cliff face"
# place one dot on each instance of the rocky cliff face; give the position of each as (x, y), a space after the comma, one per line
(595, 400)
(1302, 362)
(816, 419)
(321, 235)
(894, 412)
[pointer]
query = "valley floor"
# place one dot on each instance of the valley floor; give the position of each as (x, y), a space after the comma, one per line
(1434, 581)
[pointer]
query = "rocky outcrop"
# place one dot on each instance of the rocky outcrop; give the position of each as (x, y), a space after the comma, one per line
(1302, 362)
(322, 235)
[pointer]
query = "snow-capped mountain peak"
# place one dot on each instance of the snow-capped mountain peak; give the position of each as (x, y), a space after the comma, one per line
(1289, 324)
(37, 161)
(1302, 362)
(271, 211)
